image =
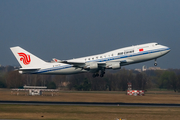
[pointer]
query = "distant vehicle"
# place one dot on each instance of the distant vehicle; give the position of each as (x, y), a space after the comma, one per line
(110, 60)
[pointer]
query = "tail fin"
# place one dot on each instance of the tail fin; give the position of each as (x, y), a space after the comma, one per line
(25, 58)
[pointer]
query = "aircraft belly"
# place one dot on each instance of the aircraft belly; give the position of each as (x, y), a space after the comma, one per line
(164, 52)
(146, 57)
(66, 71)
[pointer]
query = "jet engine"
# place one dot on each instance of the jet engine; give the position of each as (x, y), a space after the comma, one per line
(91, 66)
(113, 65)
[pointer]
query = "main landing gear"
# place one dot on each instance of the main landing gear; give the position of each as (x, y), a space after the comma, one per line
(97, 74)
(102, 74)
(155, 63)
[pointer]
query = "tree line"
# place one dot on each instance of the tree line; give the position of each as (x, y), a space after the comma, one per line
(112, 81)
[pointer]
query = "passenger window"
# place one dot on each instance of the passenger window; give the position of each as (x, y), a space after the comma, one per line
(127, 52)
(121, 53)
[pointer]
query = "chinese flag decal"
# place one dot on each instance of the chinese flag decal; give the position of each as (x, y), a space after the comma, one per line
(140, 50)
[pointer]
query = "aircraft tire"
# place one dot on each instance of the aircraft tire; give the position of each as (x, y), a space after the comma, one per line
(155, 64)
(101, 75)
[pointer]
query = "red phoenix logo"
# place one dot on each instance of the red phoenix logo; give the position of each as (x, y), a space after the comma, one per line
(25, 58)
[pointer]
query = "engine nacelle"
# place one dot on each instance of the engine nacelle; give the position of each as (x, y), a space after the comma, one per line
(91, 66)
(116, 66)
(113, 65)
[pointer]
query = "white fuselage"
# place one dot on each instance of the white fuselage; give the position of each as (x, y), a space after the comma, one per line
(123, 56)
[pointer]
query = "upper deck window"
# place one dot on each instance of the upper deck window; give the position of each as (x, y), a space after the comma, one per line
(130, 51)
(121, 53)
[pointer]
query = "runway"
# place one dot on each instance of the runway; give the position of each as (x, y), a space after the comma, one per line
(90, 104)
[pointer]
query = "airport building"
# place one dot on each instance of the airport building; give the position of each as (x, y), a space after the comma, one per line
(33, 90)
(144, 68)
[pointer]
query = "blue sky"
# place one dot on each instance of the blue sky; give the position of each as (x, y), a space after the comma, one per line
(66, 29)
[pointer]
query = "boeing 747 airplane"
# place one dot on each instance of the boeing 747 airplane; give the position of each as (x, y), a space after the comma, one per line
(97, 64)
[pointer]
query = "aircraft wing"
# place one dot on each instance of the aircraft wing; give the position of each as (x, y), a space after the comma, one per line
(74, 63)
(56, 60)
(78, 64)
(84, 65)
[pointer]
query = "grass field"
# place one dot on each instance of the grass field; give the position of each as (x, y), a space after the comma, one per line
(62, 112)
(75, 96)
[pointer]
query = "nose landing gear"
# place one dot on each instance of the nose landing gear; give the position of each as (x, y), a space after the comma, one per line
(102, 73)
(155, 63)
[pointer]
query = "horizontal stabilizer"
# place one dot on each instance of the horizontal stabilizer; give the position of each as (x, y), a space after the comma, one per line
(28, 69)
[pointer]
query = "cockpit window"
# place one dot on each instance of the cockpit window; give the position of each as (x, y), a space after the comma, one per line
(156, 44)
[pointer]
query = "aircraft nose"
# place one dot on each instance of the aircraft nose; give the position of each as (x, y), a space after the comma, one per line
(167, 50)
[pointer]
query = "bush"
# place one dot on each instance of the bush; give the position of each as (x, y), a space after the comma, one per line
(51, 85)
(2, 84)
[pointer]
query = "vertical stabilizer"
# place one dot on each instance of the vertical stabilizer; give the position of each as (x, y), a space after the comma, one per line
(25, 58)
